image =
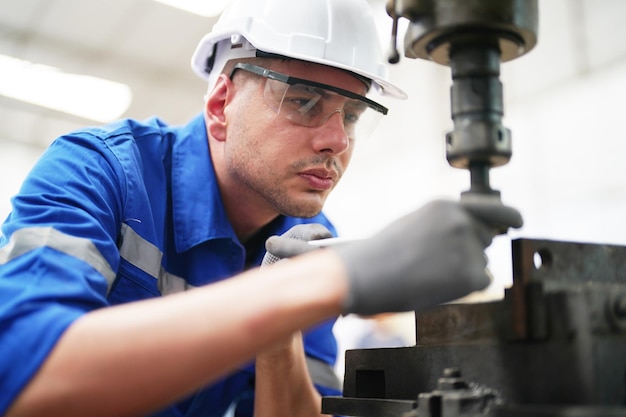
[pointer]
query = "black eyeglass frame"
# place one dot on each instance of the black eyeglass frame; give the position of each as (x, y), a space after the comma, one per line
(273, 75)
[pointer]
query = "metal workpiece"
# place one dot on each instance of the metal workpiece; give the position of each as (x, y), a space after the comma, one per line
(455, 397)
(590, 277)
(553, 347)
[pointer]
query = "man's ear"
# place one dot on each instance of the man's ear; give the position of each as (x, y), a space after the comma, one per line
(215, 107)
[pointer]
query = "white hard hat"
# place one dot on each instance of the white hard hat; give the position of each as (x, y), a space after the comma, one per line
(337, 33)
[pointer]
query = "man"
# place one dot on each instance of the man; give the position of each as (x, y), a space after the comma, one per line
(112, 218)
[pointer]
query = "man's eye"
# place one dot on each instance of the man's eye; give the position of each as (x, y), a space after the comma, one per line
(350, 118)
(304, 104)
(352, 113)
(299, 102)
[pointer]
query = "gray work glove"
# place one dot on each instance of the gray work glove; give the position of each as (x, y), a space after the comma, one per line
(431, 256)
(293, 241)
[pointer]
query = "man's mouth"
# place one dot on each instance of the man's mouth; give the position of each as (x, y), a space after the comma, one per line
(320, 178)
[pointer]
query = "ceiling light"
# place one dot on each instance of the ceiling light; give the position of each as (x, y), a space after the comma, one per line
(207, 8)
(81, 95)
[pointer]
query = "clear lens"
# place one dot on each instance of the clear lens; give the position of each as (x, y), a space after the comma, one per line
(312, 106)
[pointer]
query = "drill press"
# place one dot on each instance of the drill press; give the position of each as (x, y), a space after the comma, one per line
(471, 37)
(554, 346)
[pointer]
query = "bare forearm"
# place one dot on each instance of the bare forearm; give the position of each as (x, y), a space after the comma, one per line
(283, 385)
(137, 358)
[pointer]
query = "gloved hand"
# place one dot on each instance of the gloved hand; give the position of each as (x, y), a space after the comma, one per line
(431, 256)
(293, 242)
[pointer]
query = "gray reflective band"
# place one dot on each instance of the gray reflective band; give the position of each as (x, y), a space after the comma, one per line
(25, 240)
(170, 284)
(147, 257)
(139, 252)
(322, 373)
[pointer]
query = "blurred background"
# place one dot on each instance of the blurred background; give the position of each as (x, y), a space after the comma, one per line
(65, 64)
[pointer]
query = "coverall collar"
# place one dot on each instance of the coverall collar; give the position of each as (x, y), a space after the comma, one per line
(199, 213)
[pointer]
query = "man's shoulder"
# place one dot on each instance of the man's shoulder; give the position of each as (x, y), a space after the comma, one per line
(130, 128)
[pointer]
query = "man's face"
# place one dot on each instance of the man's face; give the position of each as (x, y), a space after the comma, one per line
(274, 162)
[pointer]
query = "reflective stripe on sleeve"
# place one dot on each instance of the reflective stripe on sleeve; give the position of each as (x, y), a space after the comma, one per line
(322, 373)
(147, 257)
(139, 252)
(27, 239)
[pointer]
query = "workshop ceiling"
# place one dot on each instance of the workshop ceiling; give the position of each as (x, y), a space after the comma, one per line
(141, 43)
(148, 45)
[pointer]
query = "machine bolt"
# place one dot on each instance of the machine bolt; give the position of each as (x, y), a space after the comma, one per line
(452, 373)
(451, 380)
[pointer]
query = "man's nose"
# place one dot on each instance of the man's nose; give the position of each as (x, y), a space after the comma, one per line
(333, 137)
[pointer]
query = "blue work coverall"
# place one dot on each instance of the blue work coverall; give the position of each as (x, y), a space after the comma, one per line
(120, 213)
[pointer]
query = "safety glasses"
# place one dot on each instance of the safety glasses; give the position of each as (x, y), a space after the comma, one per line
(311, 104)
